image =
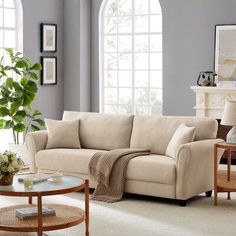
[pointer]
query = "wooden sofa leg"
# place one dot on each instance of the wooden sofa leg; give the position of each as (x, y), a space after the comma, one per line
(208, 193)
(182, 203)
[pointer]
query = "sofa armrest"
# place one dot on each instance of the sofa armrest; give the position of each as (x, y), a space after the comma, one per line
(35, 142)
(195, 168)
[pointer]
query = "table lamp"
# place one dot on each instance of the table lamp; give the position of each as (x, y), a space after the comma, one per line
(229, 118)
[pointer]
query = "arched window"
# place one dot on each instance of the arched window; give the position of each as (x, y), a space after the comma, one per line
(11, 36)
(11, 25)
(131, 57)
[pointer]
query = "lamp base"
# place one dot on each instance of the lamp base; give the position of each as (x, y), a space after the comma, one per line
(231, 136)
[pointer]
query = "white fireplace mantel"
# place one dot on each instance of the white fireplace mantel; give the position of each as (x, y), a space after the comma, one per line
(210, 100)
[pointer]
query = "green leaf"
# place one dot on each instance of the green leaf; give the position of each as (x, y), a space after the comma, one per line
(17, 71)
(37, 113)
(17, 94)
(24, 81)
(21, 64)
(18, 54)
(21, 113)
(33, 76)
(40, 122)
(36, 66)
(5, 90)
(7, 68)
(14, 107)
(9, 50)
(32, 86)
(8, 124)
(3, 73)
(28, 64)
(17, 86)
(28, 98)
(35, 128)
(18, 119)
(4, 112)
(9, 83)
(3, 101)
(2, 123)
(19, 128)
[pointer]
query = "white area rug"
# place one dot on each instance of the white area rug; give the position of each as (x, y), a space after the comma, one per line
(135, 216)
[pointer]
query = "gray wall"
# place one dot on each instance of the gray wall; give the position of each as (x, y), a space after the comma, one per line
(50, 99)
(188, 44)
(188, 48)
(77, 55)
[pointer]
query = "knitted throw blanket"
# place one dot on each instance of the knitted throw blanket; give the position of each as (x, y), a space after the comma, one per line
(108, 169)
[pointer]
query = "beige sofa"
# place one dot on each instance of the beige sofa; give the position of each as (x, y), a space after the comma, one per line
(188, 174)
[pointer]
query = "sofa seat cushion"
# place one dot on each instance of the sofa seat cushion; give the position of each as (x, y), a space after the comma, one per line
(152, 168)
(65, 160)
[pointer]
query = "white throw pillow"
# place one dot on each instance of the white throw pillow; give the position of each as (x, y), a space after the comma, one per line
(62, 134)
(182, 135)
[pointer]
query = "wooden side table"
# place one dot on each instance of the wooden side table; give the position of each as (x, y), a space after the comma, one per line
(226, 184)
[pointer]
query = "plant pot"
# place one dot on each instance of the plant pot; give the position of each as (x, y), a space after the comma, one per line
(21, 151)
(6, 180)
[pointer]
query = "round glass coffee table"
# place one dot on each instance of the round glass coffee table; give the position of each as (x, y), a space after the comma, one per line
(66, 216)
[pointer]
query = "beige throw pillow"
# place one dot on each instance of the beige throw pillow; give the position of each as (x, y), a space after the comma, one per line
(62, 134)
(182, 135)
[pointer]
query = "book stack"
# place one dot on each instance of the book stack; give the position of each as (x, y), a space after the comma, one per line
(32, 212)
(35, 178)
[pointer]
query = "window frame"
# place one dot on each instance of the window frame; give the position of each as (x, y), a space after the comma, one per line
(102, 53)
(18, 25)
(6, 135)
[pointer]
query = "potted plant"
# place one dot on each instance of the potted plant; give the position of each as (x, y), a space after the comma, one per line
(10, 164)
(18, 89)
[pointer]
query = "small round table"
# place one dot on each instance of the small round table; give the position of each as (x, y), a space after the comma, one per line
(66, 216)
(223, 184)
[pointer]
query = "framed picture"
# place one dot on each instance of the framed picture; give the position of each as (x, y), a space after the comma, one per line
(48, 37)
(225, 54)
(49, 71)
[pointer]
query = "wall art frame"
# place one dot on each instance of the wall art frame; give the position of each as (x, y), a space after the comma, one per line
(48, 37)
(225, 55)
(49, 71)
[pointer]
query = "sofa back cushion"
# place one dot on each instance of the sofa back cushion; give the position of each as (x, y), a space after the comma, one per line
(58, 130)
(155, 132)
(102, 131)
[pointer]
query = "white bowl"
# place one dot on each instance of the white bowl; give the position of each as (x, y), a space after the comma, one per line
(57, 177)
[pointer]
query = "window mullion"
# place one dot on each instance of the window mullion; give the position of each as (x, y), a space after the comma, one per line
(149, 50)
(3, 31)
(133, 61)
(117, 58)
(102, 61)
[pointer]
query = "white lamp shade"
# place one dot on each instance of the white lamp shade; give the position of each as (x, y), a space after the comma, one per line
(229, 113)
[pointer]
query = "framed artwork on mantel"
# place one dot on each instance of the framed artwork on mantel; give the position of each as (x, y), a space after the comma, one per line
(225, 55)
(49, 71)
(48, 37)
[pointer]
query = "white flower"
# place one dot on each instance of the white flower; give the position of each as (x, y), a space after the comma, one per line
(14, 164)
(10, 169)
(9, 162)
(4, 158)
(9, 153)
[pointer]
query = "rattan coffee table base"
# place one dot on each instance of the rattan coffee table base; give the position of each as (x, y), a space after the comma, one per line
(66, 216)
